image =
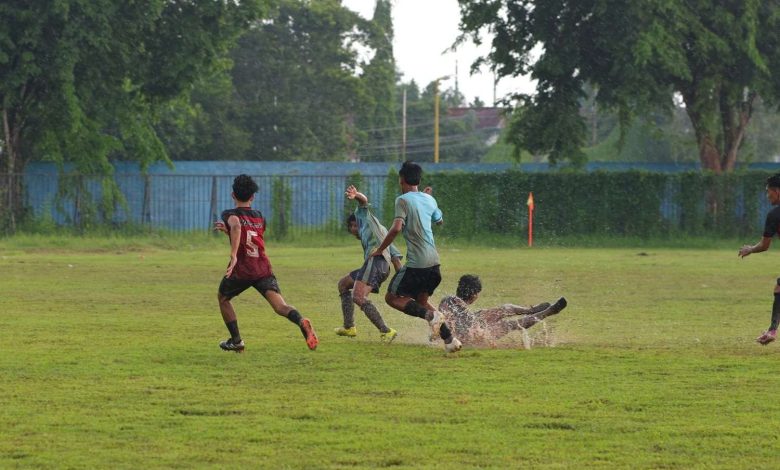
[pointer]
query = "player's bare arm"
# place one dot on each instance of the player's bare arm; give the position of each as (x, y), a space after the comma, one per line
(353, 193)
(235, 241)
(396, 263)
(759, 247)
(395, 229)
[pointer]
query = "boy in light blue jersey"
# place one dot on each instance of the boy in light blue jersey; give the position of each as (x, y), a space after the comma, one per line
(355, 286)
(412, 286)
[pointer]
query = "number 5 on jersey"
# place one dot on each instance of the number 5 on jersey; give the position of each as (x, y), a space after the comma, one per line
(251, 248)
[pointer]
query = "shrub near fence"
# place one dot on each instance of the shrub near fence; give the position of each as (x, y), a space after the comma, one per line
(626, 203)
(632, 203)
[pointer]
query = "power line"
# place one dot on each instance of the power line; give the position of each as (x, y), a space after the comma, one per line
(449, 142)
(429, 140)
(419, 123)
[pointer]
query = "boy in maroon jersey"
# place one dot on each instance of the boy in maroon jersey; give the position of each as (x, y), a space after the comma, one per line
(249, 266)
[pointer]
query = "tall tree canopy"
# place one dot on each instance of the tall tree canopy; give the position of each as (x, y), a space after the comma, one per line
(82, 80)
(377, 122)
(288, 90)
(716, 56)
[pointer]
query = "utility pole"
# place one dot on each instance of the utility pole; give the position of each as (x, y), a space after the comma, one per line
(495, 82)
(436, 117)
(457, 90)
(403, 128)
(436, 122)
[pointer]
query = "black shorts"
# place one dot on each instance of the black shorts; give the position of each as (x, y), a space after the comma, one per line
(373, 272)
(232, 287)
(411, 282)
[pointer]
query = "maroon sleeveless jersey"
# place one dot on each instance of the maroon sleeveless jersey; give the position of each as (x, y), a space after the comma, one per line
(252, 262)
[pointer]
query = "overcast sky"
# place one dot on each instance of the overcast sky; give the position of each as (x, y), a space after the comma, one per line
(424, 29)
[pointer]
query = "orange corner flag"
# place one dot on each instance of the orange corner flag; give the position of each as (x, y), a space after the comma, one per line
(530, 201)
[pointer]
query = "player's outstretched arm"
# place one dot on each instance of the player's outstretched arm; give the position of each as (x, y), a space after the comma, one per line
(759, 247)
(353, 193)
(395, 229)
(219, 226)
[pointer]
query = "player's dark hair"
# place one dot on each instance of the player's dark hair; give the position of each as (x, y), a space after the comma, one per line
(469, 285)
(773, 181)
(411, 173)
(244, 187)
(351, 218)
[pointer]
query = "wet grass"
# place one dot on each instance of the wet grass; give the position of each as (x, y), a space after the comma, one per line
(109, 358)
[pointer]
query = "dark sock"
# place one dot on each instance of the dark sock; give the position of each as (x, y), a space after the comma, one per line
(445, 333)
(775, 313)
(295, 317)
(373, 314)
(348, 309)
(416, 310)
(232, 327)
(525, 322)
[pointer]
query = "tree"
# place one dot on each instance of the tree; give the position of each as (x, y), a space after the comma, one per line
(717, 56)
(763, 142)
(82, 82)
(206, 123)
(296, 84)
(660, 137)
(378, 121)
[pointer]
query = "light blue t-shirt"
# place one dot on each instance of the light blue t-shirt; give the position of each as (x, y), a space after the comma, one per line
(418, 212)
(372, 232)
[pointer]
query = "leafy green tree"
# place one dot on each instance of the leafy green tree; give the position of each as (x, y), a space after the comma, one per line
(661, 137)
(378, 121)
(763, 142)
(206, 123)
(296, 84)
(82, 82)
(716, 55)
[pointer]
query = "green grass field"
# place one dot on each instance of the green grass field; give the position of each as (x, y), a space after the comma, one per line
(109, 359)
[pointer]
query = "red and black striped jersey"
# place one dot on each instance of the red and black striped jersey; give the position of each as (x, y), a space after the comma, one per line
(252, 262)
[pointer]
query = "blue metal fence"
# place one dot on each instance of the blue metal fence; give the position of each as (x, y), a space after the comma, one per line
(194, 202)
(193, 195)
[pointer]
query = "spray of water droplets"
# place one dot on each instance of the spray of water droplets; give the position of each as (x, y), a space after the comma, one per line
(500, 327)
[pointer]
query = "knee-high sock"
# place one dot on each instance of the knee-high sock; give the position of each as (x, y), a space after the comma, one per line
(775, 312)
(445, 333)
(233, 329)
(522, 323)
(373, 314)
(416, 310)
(295, 317)
(348, 309)
(528, 321)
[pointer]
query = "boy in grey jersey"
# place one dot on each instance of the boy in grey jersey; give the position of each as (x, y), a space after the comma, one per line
(411, 287)
(355, 286)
